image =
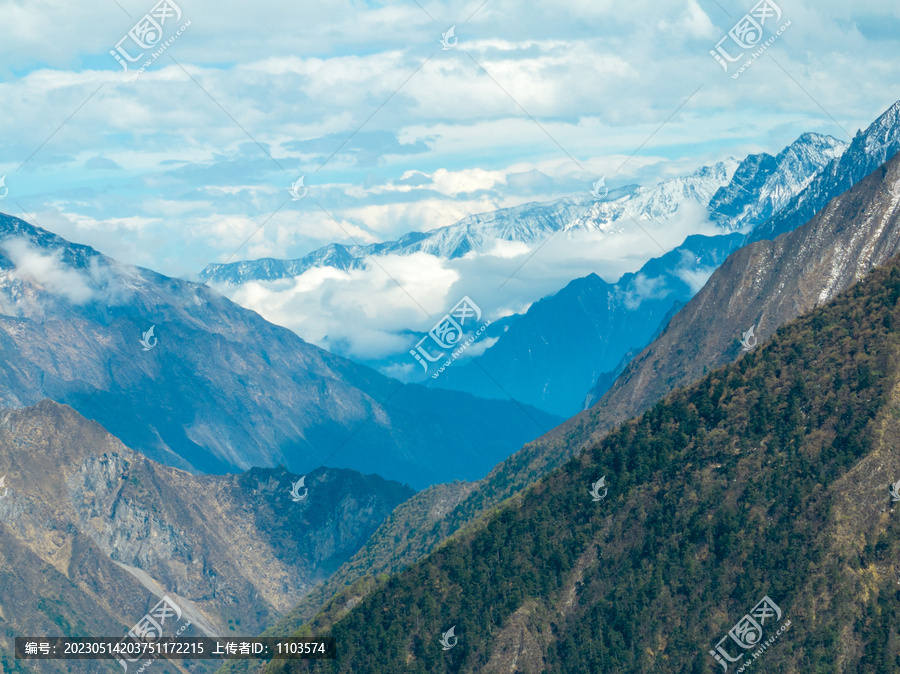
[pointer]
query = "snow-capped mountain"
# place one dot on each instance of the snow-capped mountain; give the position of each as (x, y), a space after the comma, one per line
(529, 223)
(869, 150)
(737, 195)
(763, 184)
(554, 353)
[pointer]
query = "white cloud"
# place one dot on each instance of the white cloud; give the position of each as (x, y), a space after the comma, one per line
(374, 313)
(47, 271)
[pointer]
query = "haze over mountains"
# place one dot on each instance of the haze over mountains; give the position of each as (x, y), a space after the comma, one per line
(531, 369)
(552, 356)
(221, 389)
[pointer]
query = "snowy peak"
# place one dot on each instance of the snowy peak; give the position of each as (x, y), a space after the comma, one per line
(764, 184)
(528, 223)
(881, 140)
(868, 150)
(737, 195)
(664, 200)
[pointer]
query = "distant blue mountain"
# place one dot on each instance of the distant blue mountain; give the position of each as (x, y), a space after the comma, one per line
(568, 349)
(220, 389)
(551, 356)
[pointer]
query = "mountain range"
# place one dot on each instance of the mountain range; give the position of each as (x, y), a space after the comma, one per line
(214, 387)
(552, 356)
(559, 355)
(792, 440)
(868, 150)
(734, 204)
(529, 223)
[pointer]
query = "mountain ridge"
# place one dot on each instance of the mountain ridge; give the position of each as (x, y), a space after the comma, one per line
(535, 221)
(94, 533)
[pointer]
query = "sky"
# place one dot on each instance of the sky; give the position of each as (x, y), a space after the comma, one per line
(190, 160)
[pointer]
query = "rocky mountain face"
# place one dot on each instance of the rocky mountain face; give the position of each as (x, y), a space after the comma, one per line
(764, 285)
(93, 534)
(769, 196)
(553, 354)
(760, 490)
(395, 545)
(763, 185)
(215, 387)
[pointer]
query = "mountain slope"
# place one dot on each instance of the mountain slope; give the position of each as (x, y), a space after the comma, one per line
(93, 531)
(766, 284)
(766, 478)
(221, 389)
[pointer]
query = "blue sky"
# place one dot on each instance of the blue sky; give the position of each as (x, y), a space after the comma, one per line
(185, 164)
